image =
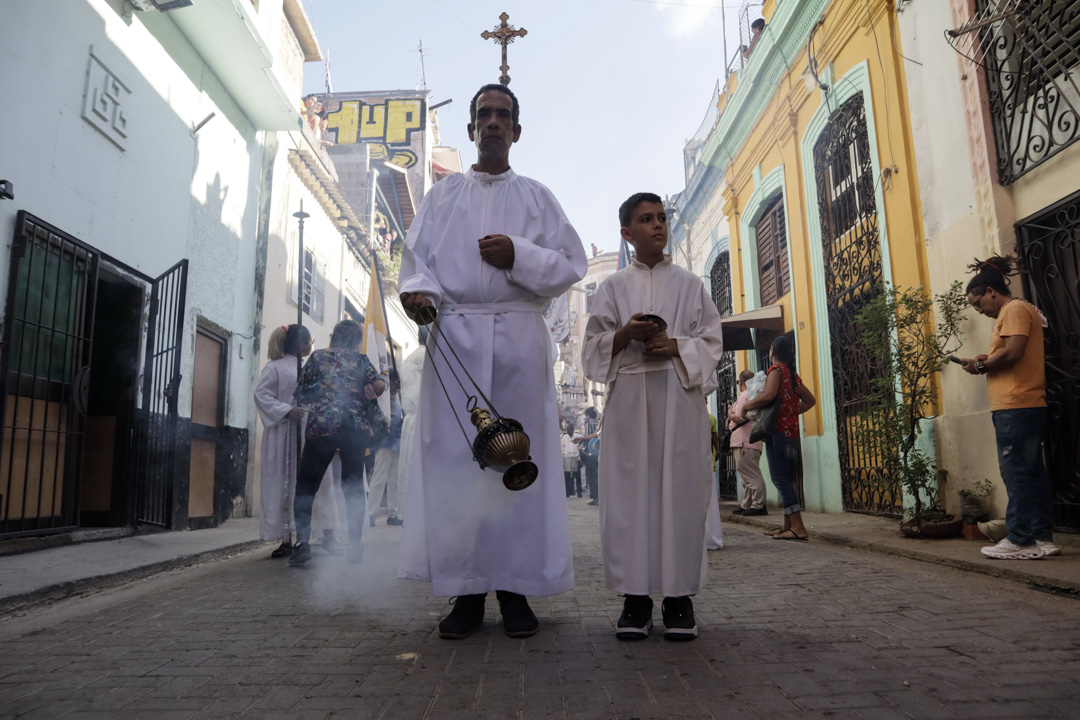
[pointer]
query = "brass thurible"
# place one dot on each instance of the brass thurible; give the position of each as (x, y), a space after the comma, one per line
(501, 443)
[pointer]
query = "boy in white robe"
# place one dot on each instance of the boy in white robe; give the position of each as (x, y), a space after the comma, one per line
(655, 461)
(488, 248)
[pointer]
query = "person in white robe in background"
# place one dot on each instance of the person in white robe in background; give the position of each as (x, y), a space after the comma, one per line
(655, 461)
(411, 371)
(488, 248)
(277, 459)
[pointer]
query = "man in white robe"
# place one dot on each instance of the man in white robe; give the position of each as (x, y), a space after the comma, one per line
(655, 461)
(488, 248)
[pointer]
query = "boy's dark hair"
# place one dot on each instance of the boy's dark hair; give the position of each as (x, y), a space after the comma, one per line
(347, 335)
(590, 412)
(759, 24)
(626, 210)
(296, 336)
(515, 111)
(993, 272)
(745, 375)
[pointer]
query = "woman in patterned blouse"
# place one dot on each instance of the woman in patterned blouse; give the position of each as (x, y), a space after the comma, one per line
(782, 448)
(335, 386)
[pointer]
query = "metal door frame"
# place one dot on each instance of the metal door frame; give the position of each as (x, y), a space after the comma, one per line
(1044, 242)
(34, 235)
(155, 455)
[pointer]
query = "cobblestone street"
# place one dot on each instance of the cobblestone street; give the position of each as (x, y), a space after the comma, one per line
(789, 630)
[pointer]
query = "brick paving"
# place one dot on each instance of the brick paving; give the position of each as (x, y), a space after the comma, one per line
(789, 630)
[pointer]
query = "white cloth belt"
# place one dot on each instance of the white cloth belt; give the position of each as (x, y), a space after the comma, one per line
(640, 368)
(488, 308)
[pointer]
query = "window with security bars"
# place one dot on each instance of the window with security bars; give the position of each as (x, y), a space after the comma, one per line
(314, 302)
(774, 273)
(1030, 50)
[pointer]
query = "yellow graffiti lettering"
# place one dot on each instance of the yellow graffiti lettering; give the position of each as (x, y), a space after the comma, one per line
(403, 158)
(344, 122)
(389, 122)
(402, 116)
(373, 122)
(377, 151)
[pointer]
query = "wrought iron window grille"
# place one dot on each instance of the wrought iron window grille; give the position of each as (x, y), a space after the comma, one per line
(1030, 52)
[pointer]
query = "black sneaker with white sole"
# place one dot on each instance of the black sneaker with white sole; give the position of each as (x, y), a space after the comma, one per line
(679, 624)
(636, 619)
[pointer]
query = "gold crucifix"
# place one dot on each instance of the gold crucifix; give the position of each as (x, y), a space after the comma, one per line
(504, 34)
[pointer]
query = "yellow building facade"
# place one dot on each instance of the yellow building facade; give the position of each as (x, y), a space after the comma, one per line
(822, 199)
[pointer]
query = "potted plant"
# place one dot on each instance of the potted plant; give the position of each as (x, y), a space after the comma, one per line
(908, 351)
(972, 511)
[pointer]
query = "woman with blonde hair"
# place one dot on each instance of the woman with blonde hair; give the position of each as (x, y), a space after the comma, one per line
(273, 400)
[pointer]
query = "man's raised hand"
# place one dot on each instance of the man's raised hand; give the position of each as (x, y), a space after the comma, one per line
(497, 250)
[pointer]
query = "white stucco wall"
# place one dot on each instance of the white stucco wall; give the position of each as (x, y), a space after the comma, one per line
(168, 193)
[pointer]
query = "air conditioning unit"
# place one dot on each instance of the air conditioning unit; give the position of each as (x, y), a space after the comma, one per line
(161, 5)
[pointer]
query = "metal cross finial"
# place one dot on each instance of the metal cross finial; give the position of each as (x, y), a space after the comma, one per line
(504, 34)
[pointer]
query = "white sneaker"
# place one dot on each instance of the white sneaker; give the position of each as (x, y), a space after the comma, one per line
(1006, 550)
(995, 530)
(1048, 547)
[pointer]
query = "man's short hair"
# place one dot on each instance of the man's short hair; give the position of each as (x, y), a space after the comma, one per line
(758, 24)
(515, 111)
(626, 210)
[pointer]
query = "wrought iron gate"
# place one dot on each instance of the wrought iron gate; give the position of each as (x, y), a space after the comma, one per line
(853, 272)
(45, 359)
(1049, 245)
(156, 455)
(726, 374)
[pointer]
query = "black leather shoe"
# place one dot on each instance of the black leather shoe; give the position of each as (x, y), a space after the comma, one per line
(755, 511)
(518, 618)
(738, 511)
(467, 615)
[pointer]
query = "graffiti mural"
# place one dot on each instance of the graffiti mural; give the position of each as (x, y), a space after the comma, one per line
(387, 124)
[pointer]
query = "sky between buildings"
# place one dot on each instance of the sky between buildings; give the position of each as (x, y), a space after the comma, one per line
(610, 90)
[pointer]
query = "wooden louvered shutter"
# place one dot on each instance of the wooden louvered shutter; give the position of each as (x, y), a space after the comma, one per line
(773, 268)
(783, 272)
(766, 259)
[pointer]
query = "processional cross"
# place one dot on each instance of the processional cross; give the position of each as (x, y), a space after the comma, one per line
(504, 34)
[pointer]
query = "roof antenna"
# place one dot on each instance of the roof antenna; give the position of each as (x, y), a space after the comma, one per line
(423, 74)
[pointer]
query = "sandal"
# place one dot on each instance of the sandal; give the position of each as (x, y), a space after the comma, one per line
(773, 532)
(789, 534)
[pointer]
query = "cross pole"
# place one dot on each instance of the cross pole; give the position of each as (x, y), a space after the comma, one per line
(504, 34)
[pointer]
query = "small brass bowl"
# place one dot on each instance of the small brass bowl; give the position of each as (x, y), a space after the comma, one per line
(660, 323)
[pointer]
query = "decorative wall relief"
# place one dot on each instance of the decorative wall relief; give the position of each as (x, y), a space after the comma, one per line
(103, 101)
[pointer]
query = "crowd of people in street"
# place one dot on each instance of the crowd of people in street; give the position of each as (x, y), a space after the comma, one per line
(653, 339)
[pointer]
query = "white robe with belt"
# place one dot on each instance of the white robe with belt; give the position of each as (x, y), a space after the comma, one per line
(655, 461)
(466, 533)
